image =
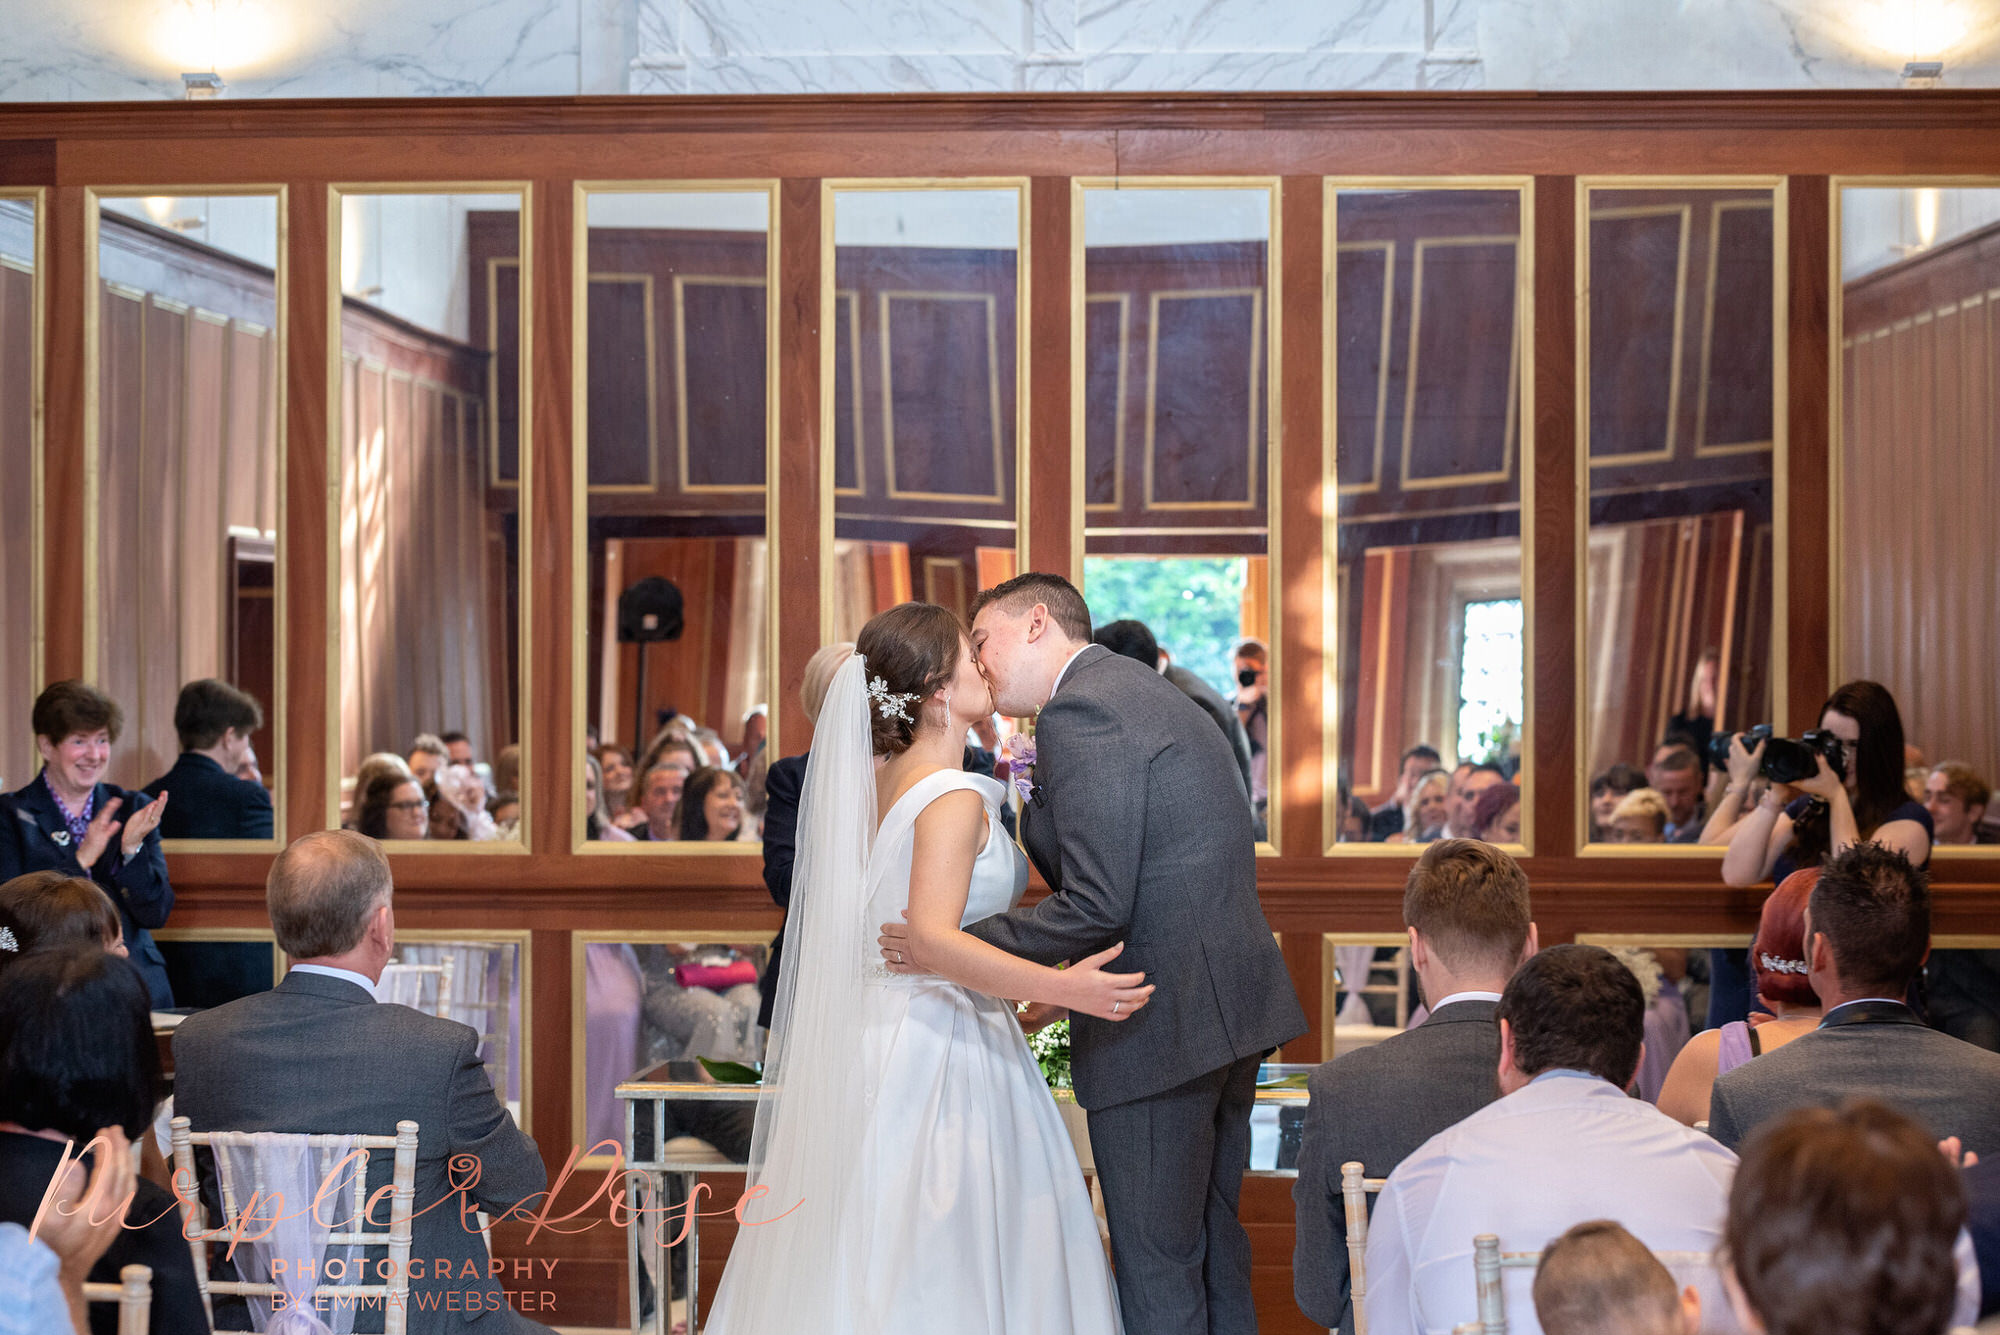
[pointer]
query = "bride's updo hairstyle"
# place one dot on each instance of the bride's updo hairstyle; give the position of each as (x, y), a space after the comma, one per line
(913, 648)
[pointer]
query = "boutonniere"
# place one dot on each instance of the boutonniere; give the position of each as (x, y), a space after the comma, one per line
(1020, 749)
(61, 837)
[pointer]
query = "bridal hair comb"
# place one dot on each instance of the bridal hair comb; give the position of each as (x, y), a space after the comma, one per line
(7, 941)
(1772, 964)
(888, 703)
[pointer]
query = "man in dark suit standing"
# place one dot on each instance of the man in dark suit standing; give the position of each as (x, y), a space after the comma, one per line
(319, 1055)
(1465, 906)
(1138, 826)
(68, 819)
(1867, 931)
(215, 722)
(1134, 639)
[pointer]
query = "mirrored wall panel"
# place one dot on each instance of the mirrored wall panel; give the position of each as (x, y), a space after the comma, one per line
(430, 453)
(926, 368)
(676, 379)
(1368, 990)
(19, 562)
(1681, 327)
(212, 966)
(1177, 410)
(649, 997)
(1429, 343)
(185, 504)
(1915, 549)
(476, 980)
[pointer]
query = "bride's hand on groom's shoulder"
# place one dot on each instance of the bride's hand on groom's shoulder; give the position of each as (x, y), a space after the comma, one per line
(1108, 996)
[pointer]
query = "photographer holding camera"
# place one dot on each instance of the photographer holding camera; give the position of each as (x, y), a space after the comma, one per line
(1855, 793)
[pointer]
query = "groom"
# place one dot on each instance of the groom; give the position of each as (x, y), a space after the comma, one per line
(1139, 826)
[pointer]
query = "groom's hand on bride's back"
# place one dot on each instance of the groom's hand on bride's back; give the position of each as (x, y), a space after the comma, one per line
(1090, 990)
(896, 948)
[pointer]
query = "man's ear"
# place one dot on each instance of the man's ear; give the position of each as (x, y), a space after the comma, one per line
(1420, 951)
(1533, 945)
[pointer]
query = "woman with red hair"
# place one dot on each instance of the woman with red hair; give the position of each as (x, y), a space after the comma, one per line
(1778, 957)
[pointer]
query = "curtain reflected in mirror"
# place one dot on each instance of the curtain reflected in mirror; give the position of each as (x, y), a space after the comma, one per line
(1177, 460)
(925, 368)
(431, 455)
(1429, 348)
(476, 981)
(1682, 341)
(18, 561)
(1915, 548)
(186, 503)
(677, 394)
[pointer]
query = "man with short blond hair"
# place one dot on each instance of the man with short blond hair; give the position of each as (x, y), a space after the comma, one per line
(1465, 908)
(318, 1054)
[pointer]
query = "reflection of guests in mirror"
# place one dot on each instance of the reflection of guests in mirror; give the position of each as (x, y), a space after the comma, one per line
(371, 769)
(1605, 791)
(660, 789)
(711, 806)
(393, 807)
(1430, 805)
(614, 765)
(1496, 814)
(427, 757)
(613, 990)
(214, 721)
(700, 1002)
(507, 769)
(1639, 818)
(68, 819)
(596, 823)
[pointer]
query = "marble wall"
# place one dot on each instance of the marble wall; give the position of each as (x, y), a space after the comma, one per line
(135, 49)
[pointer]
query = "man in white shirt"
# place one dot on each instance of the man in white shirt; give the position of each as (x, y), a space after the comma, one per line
(1563, 1144)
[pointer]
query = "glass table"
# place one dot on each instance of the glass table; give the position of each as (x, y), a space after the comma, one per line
(664, 1163)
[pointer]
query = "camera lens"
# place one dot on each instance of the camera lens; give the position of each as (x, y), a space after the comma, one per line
(1247, 677)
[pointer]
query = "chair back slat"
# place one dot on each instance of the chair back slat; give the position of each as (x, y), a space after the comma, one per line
(325, 1152)
(134, 1295)
(1354, 1190)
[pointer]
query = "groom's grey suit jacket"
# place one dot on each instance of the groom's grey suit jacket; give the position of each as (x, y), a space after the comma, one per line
(1139, 828)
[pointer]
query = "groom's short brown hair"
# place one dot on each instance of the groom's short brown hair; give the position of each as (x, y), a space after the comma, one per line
(1022, 592)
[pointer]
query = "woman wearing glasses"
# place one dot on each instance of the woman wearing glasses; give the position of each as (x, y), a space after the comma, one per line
(393, 807)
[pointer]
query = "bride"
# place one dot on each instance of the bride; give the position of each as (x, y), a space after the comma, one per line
(915, 1174)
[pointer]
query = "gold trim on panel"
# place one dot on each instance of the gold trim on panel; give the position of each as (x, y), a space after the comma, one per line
(1332, 326)
(1702, 449)
(940, 570)
(1123, 301)
(1257, 308)
(651, 354)
(579, 996)
(681, 283)
(1687, 940)
(523, 191)
(847, 303)
(1682, 212)
(1330, 994)
(992, 306)
(579, 260)
(1506, 469)
(1522, 188)
(37, 200)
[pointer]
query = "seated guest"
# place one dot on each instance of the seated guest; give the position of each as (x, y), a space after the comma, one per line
(393, 807)
(215, 722)
(711, 806)
(50, 911)
(1641, 817)
(596, 820)
(1597, 1279)
(616, 764)
(318, 1054)
(506, 775)
(1496, 816)
(1561, 1145)
(1605, 790)
(458, 751)
(372, 768)
(1428, 813)
(77, 1054)
(1393, 816)
(1468, 781)
(505, 811)
(1843, 1223)
(1777, 954)
(1867, 930)
(1465, 906)
(427, 756)
(660, 788)
(68, 820)
(1676, 774)
(1956, 797)
(1134, 640)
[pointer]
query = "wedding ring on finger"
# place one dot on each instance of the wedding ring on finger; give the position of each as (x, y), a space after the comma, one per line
(1115, 1005)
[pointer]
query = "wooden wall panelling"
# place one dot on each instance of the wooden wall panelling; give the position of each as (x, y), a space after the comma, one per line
(1052, 526)
(802, 508)
(552, 740)
(1297, 609)
(1549, 493)
(1803, 585)
(308, 563)
(66, 359)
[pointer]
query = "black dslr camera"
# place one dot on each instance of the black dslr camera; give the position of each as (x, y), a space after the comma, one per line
(1786, 759)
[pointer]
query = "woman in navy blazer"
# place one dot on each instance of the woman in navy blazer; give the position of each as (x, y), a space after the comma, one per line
(67, 820)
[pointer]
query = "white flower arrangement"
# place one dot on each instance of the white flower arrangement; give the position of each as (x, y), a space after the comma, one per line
(1050, 1044)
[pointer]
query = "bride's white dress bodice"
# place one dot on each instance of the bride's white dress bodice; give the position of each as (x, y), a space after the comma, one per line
(999, 873)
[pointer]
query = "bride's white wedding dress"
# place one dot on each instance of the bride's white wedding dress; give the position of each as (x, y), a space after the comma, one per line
(959, 1205)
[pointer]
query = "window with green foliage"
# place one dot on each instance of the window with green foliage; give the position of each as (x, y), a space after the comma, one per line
(1490, 702)
(1192, 604)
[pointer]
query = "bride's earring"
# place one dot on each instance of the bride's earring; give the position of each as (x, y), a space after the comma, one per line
(946, 721)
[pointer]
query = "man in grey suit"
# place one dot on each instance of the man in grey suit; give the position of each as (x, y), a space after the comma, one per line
(318, 1055)
(1138, 827)
(1465, 906)
(1867, 931)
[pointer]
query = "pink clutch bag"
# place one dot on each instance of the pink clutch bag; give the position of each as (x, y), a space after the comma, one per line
(719, 977)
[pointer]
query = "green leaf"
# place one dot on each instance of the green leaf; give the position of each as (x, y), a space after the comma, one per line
(730, 1073)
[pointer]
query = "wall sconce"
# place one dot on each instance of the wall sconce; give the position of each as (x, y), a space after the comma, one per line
(203, 86)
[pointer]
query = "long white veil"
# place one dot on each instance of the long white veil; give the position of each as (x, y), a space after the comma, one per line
(790, 1274)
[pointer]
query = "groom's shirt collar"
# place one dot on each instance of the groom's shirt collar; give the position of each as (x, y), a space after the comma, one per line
(1067, 664)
